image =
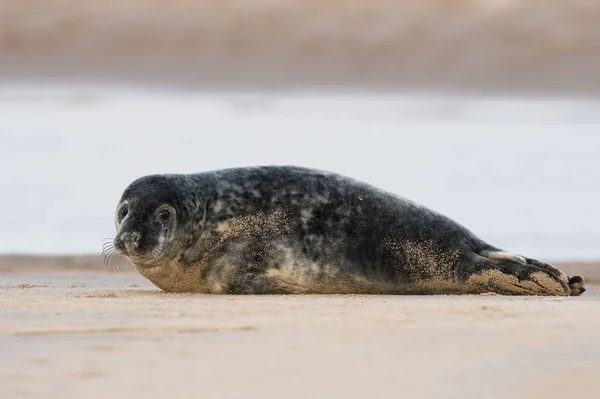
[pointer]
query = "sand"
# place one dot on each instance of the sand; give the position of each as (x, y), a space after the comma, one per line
(73, 332)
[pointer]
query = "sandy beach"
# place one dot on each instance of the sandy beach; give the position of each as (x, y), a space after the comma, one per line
(69, 329)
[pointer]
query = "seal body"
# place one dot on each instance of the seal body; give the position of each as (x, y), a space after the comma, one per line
(285, 229)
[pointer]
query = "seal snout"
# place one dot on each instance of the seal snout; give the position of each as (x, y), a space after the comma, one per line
(127, 242)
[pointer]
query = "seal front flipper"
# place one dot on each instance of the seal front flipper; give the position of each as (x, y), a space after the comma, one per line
(260, 284)
(235, 274)
(509, 274)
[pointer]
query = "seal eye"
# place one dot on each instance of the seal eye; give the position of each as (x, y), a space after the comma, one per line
(164, 215)
(123, 212)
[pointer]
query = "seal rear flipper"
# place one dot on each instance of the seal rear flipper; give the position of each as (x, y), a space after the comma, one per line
(505, 273)
(510, 257)
(576, 284)
(504, 256)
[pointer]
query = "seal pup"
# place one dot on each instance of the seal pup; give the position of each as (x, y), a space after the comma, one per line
(287, 229)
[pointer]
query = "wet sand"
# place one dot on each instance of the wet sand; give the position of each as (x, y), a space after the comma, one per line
(70, 329)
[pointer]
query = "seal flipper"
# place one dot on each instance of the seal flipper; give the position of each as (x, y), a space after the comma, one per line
(227, 275)
(548, 268)
(505, 273)
(501, 255)
(245, 284)
(576, 284)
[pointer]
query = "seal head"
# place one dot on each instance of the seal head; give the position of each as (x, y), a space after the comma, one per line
(147, 218)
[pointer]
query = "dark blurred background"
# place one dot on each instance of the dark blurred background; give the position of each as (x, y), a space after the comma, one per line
(524, 46)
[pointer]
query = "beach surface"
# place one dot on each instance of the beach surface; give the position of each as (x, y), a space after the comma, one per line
(71, 329)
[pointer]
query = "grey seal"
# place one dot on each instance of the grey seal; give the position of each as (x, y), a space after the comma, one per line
(288, 230)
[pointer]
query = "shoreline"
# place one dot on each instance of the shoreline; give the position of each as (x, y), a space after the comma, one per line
(170, 83)
(29, 263)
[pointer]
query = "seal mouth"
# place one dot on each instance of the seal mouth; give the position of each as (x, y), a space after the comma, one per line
(146, 261)
(115, 254)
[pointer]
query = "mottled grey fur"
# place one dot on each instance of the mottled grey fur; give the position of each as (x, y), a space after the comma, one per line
(278, 229)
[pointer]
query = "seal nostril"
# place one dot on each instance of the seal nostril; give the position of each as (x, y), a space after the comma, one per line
(119, 244)
(131, 242)
(127, 242)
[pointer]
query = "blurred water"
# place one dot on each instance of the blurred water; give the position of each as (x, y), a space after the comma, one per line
(522, 174)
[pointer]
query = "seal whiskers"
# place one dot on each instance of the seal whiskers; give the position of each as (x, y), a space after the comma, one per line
(113, 260)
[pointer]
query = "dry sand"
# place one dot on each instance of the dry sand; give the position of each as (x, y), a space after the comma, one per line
(68, 331)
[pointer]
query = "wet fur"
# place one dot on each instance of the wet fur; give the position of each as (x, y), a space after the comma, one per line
(283, 230)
